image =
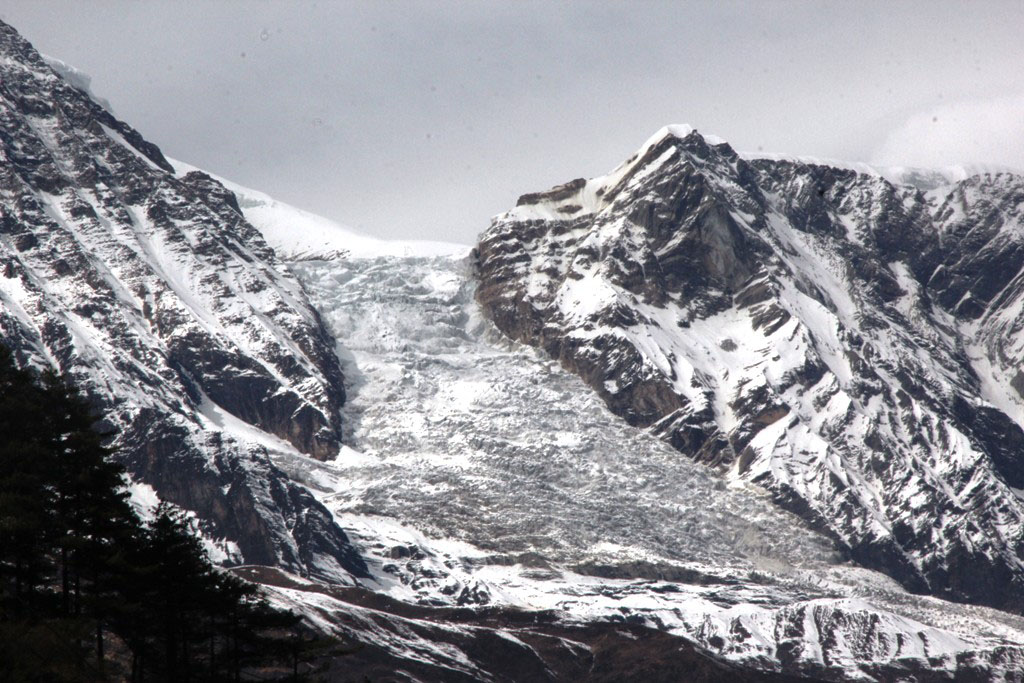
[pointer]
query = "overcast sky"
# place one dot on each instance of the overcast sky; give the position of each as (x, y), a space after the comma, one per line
(424, 119)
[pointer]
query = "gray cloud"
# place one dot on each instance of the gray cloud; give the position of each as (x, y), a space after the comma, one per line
(423, 119)
(972, 132)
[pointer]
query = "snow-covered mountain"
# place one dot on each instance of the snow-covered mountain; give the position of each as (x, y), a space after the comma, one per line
(349, 418)
(478, 473)
(154, 294)
(298, 235)
(848, 344)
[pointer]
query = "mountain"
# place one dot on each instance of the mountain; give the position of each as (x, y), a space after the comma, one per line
(481, 479)
(403, 441)
(154, 294)
(848, 344)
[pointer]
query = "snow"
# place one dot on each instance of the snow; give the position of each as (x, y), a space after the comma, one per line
(679, 130)
(397, 635)
(464, 457)
(442, 410)
(143, 498)
(592, 197)
(927, 179)
(996, 387)
(77, 78)
(215, 418)
(296, 234)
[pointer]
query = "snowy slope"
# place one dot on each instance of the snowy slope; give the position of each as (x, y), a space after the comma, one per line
(815, 330)
(478, 473)
(296, 234)
(156, 297)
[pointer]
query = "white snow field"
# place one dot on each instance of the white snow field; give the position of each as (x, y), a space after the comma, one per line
(297, 234)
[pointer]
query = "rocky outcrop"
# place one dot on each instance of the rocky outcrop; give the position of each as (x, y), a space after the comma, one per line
(815, 641)
(848, 342)
(157, 297)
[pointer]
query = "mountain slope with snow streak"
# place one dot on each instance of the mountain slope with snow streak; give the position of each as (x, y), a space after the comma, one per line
(157, 298)
(847, 343)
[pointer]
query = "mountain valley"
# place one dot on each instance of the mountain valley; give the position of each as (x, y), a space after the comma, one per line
(711, 416)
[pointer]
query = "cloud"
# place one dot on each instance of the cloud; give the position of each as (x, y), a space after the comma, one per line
(967, 132)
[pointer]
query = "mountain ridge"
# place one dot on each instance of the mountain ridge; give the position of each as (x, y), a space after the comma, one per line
(157, 298)
(687, 238)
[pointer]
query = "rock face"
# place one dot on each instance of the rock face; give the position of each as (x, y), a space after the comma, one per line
(156, 296)
(406, 643)
(849, 342)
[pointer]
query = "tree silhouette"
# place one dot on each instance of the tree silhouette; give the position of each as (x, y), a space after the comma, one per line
(79, 568)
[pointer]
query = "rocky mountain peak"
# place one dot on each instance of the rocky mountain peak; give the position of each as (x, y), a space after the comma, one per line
(810, 329)
(162, 302)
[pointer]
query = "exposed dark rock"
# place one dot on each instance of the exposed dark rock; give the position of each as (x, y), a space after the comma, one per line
(554, 194)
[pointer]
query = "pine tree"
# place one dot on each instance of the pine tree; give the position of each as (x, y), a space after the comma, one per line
(26, 493)
(77, 564)
(95, 522)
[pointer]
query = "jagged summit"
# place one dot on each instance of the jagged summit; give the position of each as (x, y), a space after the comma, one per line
(582, 196)
(846, 342)
(680, 131)
(591, 195)
(922, 178)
